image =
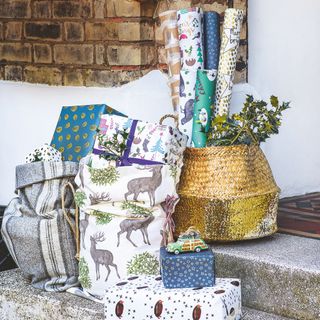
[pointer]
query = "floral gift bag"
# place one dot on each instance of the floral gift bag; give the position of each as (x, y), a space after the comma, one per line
(101, 180)
(118, 240)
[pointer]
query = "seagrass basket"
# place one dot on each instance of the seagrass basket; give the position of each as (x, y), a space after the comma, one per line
(227, 193)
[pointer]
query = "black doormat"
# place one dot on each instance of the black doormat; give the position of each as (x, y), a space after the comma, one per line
(300, 215)
(6, 262)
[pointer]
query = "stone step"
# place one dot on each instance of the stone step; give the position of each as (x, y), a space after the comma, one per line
(251, 314)
(279, 274)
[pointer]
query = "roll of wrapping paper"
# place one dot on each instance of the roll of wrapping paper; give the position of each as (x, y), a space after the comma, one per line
(228, 58)
(190, 38)
(211, 39)
(169, 27)
(204, 97)
(186, 101)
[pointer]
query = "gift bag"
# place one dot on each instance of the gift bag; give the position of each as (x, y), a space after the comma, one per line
(118, 239)
(34, 229)
(101, 180)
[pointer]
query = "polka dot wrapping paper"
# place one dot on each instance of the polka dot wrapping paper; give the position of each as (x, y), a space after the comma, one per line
(187, 270)
(228, 58)
(76, 129)
(144, 297)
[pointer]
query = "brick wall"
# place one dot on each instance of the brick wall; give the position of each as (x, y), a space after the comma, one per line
(89, 42)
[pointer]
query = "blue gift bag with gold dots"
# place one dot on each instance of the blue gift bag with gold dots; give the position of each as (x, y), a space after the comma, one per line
(76, 129)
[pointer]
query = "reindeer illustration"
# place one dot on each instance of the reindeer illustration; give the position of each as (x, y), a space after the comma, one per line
(96, 198)
(100, 256)
(145, 184)
(129, 225)
(83, 225)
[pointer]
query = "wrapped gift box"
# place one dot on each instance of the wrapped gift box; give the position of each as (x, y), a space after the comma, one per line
(187, 270)
(147, 142)
(76, 129)
(145, 297)
(44, 153)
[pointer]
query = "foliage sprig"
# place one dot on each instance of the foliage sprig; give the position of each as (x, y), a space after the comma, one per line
(254, 124)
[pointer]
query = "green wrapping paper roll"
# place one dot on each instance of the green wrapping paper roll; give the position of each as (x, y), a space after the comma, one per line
(228, 58)
(205, 90)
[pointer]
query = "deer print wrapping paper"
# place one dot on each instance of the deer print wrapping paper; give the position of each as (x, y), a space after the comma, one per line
(76, 129)
(100, 180)
(118, 239)
(228, 58)
(186, 102)
(151, 142)
(144, 297)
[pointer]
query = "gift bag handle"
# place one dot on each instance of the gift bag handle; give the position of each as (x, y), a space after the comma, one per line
(74, 227)
(173, 116)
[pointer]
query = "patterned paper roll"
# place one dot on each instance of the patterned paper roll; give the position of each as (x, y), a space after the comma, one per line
(228, 58)
(169, 27)
(211, 39)
(204, 97)
(190, 38)
(186, 101)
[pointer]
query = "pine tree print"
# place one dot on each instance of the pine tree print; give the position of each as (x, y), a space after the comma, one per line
(199, 53)
(84, 277)
(158, 147)
(104, 176)
(143, 263)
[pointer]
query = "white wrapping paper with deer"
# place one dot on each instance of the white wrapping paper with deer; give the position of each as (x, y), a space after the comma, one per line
(118, 240)
(101, 181)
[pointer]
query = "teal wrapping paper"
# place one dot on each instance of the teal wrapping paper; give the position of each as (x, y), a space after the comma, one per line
(211, 39)
(204, 98)
(76, 129)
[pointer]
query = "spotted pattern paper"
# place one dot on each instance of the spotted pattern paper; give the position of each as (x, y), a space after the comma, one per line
(187, 270)
(76, 130)
(228, 58)
(144, 297)
(211, 32)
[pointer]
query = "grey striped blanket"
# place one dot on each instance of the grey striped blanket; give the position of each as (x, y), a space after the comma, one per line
(34, 229)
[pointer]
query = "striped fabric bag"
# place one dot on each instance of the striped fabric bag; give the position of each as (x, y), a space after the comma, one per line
(34, 228)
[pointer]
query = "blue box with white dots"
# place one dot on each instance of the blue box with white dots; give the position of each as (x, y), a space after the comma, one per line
(187, 270)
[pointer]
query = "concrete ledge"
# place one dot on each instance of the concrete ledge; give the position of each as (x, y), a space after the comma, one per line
(19, 301)
(279, 274)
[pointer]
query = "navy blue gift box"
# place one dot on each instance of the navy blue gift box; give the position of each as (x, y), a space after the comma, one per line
(187, 270)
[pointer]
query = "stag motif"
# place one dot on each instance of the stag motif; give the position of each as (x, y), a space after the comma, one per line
(96, 198)
(129, 225)
(145, 184)
(100, 256)
(83, 225)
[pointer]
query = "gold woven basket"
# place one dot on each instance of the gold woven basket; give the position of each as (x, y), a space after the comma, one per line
(227, 193)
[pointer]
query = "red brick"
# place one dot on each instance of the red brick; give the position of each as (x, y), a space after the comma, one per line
(73, 54)
(15, 52)
(13, 30)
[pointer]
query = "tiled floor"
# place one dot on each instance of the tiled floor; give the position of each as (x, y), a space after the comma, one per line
(300, 215)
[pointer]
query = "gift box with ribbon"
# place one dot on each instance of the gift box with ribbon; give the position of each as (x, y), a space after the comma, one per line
(187, 270)
(147, 143)
(144, 297)
(76, 129)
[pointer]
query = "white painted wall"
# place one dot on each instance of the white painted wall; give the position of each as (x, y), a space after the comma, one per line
(284, 60)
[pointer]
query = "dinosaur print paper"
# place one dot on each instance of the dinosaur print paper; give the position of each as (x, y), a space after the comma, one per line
(151, 141)
(144, 297)
(186, 101)
(101, 181)
(228, 58)
(190, 38)
(115, 243)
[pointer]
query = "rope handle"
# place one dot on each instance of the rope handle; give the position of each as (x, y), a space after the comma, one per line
(74, 227)
(173, 116)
